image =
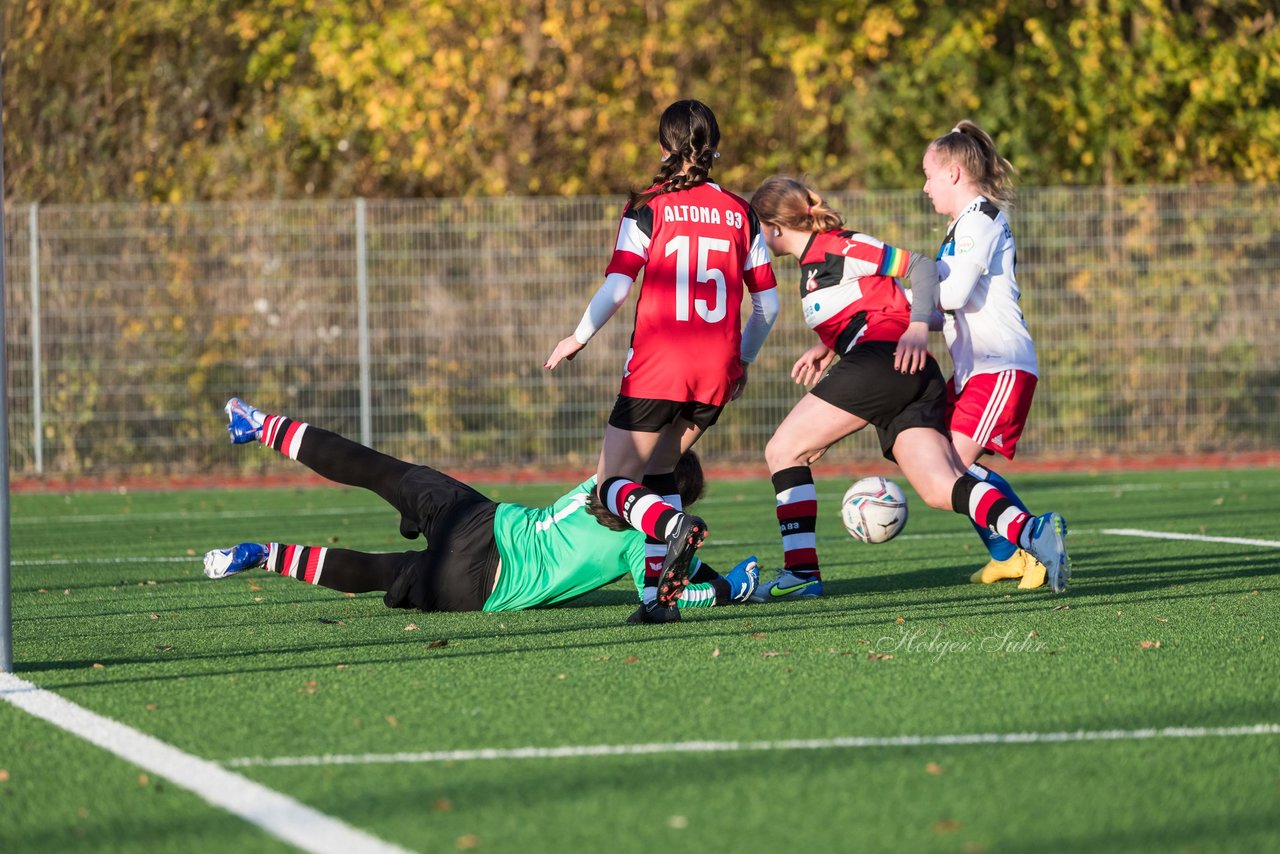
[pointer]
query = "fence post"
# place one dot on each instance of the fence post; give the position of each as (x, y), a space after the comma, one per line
(362, 299)
(37, 414)
(6, 578)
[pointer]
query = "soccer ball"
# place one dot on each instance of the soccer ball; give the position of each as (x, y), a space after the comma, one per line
(874, 510)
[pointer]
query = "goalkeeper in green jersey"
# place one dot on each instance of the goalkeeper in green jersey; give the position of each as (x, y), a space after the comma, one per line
(480, 555)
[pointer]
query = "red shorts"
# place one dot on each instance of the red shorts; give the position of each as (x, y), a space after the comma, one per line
(992, 409)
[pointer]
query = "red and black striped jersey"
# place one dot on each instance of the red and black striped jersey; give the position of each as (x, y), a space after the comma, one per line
(700, 249)
(848, 289)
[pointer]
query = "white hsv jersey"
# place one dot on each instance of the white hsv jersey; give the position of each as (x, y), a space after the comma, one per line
(984, 327)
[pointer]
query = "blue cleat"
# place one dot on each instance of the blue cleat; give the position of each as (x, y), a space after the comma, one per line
(1048, 545)
(245, 421)
(743, 579)
(220, 563)
(788, 585)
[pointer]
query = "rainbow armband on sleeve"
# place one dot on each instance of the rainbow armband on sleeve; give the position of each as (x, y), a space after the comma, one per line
(894, 262)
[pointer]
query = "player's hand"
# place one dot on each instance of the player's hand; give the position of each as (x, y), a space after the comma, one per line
(741, 385)
(564, 351)
(913, 348)
(810, 367)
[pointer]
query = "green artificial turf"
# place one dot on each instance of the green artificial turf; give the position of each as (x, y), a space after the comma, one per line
(112, 612)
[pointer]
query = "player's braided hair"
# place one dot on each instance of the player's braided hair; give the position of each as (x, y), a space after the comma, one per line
(691, 485)
(974, 151)
(789, 203)
(688, 130)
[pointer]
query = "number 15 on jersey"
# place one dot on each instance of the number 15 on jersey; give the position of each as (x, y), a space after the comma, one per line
(679, 246)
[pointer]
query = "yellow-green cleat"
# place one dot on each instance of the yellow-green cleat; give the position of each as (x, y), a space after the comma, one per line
(1001, 570)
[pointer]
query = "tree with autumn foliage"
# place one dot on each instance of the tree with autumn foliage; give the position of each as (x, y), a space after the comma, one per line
(218, 99)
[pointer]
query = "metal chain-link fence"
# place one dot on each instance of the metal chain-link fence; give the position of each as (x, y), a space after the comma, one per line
(420, 327)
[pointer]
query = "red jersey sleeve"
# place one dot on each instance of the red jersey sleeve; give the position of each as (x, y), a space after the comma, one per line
(631, 249)
(758, 269)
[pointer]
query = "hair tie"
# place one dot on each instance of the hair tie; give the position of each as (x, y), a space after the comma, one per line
(956, 129)
(716, 155)
(809, 212)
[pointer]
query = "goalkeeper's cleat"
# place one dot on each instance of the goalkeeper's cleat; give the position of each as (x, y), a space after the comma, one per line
(220, 563)
(788, 585)
(652, 612)
(743, 580)
(689, 533)
(1048, 545)
(1034, 574)
(245, 421)
(999, 570)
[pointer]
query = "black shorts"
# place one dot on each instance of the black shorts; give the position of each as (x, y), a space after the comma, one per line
(645, 415)
(864, 383)
(456, 571)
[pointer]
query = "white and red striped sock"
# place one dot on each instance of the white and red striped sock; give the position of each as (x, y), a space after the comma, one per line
(797, 520)
(305, 563)
(639, 506)
(283, 434)
(990, 508)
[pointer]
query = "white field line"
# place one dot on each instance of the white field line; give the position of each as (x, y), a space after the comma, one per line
(1115, 532)
(184, 516)
(1197, 538)
(374, 509)
(846, 742)
(277, 814)
(194, 560)
(108, 561)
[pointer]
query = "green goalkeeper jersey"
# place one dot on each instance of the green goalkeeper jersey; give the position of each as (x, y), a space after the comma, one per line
(557, 553)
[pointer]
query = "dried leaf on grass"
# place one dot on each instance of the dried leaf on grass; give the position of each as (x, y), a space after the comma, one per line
(1148, 644)
(438, 643)
(879, 656)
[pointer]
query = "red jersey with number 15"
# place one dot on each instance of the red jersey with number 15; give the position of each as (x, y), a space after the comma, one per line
(849, 291)
(699, 248)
